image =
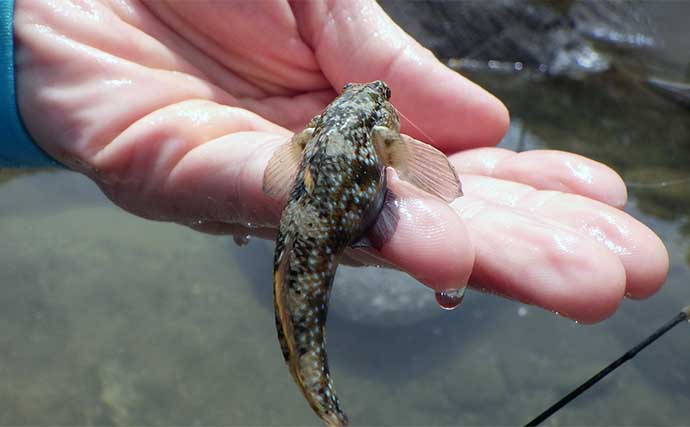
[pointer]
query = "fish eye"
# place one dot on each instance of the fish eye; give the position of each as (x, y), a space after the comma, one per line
(383, 87)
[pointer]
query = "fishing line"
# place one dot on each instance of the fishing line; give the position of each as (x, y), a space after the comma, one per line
(678, 318)
(430, 139)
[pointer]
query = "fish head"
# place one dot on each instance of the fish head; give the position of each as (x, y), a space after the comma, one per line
(381, 89)
(373, 96)
(377, 90)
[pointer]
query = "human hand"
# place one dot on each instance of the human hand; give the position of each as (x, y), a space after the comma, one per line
(175, 108)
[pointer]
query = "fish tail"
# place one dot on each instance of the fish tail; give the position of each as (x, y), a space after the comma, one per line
(301, 288)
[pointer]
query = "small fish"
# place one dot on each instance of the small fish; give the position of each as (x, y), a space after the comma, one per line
(338, 199)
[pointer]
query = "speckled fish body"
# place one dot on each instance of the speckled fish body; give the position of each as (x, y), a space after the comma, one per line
(338, 192)
(337, 165)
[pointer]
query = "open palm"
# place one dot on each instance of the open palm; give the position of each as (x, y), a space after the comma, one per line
(175, 108)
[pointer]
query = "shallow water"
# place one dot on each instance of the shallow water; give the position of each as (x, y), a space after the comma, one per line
(106, 318)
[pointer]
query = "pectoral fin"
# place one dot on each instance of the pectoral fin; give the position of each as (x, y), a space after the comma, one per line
(283, 166)
(417, 163)
(383, 229)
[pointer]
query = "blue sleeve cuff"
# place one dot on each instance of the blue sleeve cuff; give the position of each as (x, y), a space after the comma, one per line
(17, 149)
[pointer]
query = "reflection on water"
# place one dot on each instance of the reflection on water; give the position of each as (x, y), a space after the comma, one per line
(110, 319)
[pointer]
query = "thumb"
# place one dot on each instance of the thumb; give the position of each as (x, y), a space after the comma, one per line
(355, 41)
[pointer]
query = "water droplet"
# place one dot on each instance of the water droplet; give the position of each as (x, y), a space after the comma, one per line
(450, 298)
(522, 311)
(241, 240)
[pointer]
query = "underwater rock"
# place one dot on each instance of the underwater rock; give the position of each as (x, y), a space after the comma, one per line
(510, 35)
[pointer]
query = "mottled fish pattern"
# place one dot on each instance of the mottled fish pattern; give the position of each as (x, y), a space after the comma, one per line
(338, 169)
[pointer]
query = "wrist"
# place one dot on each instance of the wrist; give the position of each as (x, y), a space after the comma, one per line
(17, 148)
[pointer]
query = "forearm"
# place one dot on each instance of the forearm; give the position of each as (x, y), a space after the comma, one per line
(17, 149)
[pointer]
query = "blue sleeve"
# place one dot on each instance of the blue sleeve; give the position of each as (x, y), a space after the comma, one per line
(17, 149)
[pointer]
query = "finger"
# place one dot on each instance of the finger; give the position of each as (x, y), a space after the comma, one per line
(96, 96)
(541, 262)
(192, 161)
(356, 41)
(639, 250)
(430, 242)
(131, 32)
(546, 170)
(257, 41)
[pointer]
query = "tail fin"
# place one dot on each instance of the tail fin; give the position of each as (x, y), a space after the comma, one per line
(301, 288)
